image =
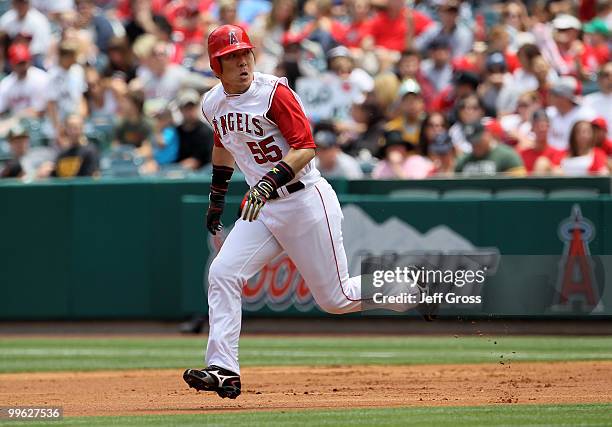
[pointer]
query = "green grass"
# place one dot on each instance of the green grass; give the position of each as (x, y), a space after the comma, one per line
(63, 354)
(510, 415)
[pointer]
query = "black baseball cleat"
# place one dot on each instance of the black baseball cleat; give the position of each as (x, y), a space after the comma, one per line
(225, 383)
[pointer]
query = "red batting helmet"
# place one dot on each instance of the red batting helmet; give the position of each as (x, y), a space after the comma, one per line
(223, 40)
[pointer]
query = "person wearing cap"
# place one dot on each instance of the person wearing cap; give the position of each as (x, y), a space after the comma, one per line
(22, 19)
(601, 101)
(597, 36)
(165, 138)
(22, 92)
(464, 83)
(78, 157)
(195, 138)
(488, 156)
(409, 68)
(565, 110)
(496, 79)
(66, 87)
(437, 68)
(19, 140)
(541, 159)
(330, 160)
(397, 162)
(600, 135)
(411, 112)
(577, 58)
(340, 62)
(443, 155)
(460, 37)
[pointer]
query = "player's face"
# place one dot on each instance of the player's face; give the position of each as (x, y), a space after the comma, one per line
(237, 70)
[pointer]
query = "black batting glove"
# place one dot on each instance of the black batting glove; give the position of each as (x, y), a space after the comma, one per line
(216, 204)
(260, 193)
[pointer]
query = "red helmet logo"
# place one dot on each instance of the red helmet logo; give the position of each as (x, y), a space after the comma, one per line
(223, 40)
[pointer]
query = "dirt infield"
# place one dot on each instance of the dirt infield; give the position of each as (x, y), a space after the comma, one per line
(292, 387)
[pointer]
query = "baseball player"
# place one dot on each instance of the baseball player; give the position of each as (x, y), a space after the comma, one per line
(259, 124)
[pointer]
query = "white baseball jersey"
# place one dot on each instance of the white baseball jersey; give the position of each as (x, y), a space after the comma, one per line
(242, 127)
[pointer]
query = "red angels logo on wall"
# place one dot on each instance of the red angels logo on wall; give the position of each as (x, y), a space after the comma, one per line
(232, 38)
(577, 285)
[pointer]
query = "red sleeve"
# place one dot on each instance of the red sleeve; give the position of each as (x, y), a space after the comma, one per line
(286, 112)
(599, 160)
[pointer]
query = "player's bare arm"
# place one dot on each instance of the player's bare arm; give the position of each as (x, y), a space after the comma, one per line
(298, 158)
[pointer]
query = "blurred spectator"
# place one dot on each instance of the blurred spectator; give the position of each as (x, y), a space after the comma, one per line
(600, 135)
(541, 158)
(27, 24)
(324, 30)
(228, 13)
(411, 112)
(165, 139)
(437, 68)
(565, 110)
(139, 17)
(195, 138)
(103, 95)
(341, 63)
(488, 156)
(433, 125)
(465, 83)
(135, 128)
(597, 34)
(356, 30)
(22, 93)
(576, 57)
(515, 20)
(270, 29)
(361, 137)
(443, 155)
(162, 80)
(66, 88)
(92, 20)
(496, 78)
(601, 101)
(19, 140)
(120, 59)
(396, 161)
(460, 37)
(396, 27)
(330, 160)
(409, 67)
(583, 158)
(79, 157)
(518, 125)
(469, 112)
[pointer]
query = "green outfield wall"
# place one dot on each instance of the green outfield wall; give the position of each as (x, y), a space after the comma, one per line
(88, 249)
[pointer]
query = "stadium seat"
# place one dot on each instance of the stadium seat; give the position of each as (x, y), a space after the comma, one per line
(521, 193)
(573, 193)
(467, 193)
(415, 193)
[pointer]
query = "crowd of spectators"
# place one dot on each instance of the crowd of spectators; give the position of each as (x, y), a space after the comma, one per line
(393, 89)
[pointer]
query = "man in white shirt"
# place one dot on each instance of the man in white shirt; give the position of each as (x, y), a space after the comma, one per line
(162, 80)
(602, 101)
(67, 85)
(330, 160)
(22, 91)
(25, 20)
(565, 110)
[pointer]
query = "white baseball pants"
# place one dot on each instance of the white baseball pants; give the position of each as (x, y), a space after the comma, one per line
(305, 224)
